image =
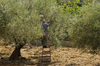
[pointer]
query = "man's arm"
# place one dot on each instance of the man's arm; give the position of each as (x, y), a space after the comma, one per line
(49, 23)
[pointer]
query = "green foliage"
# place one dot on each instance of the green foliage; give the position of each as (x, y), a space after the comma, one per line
(22, 20)
(73, 6)
(60, 2)
(85, 29)
(18, 22)
(50, 11)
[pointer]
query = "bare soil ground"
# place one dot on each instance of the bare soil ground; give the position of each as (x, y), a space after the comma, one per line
(64, 56)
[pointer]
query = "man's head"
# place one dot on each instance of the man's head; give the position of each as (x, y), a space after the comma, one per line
(44, 21)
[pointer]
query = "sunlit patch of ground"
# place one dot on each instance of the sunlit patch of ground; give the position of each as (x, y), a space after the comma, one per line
(60, 57)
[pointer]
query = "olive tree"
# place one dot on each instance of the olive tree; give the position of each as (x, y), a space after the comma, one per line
(50, 11)
(19, 22)
(85, 29)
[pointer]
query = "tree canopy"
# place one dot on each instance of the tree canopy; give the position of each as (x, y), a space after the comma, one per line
(17, 21)
(20, 21)
(85, 29)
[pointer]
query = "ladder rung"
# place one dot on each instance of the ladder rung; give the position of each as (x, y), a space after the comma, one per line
(45, 61)
(46, 52)
(46, 56)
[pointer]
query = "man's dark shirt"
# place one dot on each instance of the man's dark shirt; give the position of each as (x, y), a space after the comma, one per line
(45, 26)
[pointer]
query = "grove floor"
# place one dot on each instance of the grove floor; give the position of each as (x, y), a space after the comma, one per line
(63, 56)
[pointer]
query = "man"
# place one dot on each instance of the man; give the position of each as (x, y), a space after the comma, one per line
(45, 27)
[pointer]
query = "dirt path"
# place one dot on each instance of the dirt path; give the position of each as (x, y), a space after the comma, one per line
(60, 57)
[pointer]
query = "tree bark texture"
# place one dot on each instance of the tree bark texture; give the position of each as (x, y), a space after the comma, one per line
(16, 53)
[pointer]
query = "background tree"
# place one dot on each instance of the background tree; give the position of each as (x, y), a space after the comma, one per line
(85, 29)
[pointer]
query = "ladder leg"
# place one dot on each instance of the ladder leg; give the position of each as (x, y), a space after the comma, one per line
(46, 59)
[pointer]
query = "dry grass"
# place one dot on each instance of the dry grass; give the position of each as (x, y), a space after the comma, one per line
(63, 56)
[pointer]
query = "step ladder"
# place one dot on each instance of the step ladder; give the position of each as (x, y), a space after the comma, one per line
(46, 55)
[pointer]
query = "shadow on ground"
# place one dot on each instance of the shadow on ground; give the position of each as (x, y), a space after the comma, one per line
(18, 62)
(47, 64)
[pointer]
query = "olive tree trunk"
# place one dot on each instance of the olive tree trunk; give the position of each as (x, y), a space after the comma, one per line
(16, 53)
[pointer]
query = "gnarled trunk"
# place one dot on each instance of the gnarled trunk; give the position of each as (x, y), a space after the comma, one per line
(16, 53)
